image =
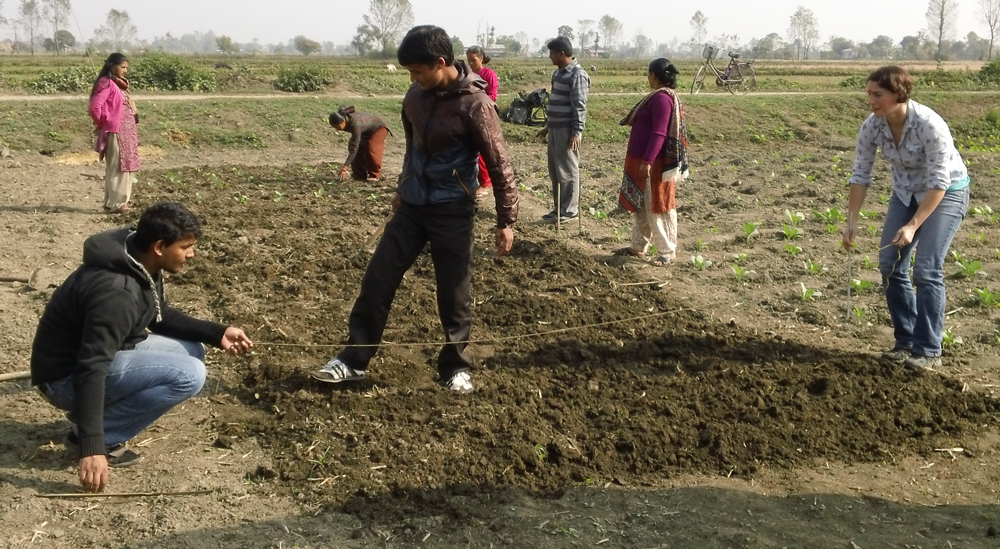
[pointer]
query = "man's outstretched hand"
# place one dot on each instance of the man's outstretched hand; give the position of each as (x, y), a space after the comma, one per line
(235, 341)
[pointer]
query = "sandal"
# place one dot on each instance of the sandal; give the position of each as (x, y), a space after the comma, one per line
(662, 261)
(628, 251)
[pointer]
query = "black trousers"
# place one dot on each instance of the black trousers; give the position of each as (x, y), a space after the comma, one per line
(450, 230)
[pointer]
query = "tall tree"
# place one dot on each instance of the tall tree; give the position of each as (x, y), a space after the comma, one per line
(226, 45)
(3, 20)
(567, 31)
(58, 14)
(611, 29)
(766, 47)
(585, 32)
(941, 17)
(118, 30)
(364, 40)
(881, 47)
(643, 45)
(31, 20)
(989, 15)
(385, 23)
(803, 31)
(699, 24)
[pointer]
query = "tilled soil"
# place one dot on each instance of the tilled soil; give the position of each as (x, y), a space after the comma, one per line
(588, 373)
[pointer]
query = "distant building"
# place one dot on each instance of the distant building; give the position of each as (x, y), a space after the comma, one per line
(496, 50)
(6, 46)
(848, 53)
(591, 51)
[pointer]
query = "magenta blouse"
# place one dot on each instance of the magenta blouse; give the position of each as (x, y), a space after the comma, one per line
(492, 82)
(650, 128)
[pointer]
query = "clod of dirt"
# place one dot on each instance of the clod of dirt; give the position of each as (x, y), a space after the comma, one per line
(223, 442)
(991, 532)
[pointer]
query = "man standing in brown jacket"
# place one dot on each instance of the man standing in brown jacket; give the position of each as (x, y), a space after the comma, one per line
(449, 121)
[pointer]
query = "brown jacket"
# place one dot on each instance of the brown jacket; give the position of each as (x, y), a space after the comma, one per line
(445, 133)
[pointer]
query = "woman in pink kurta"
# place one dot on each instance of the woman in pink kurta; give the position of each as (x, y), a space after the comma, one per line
(477, 58)
(115, 120)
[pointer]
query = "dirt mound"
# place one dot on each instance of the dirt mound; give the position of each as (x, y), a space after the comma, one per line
(588, 375)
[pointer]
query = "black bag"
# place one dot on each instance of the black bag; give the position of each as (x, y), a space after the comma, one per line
(518, 112)
(528, 109)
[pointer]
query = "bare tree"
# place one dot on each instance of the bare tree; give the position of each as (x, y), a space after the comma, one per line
(611, 29)
(941, 17)
(58, 14)
(989, 15)
(699, 24)
(803, 31)
(585, 32)
(385, 22)
(3, 20)
(643, 45)
(118, 30)
(31, 20)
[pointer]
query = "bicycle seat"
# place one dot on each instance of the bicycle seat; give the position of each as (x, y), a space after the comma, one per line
(734, 55)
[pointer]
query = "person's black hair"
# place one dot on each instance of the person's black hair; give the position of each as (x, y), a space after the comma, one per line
(111, 62)
(478, 50)
(342, 114)
(561, 43)
(664, 71)
(166, 221)
(424, 44)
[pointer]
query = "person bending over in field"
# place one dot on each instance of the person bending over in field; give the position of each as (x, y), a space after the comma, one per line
(364, 150)
(930, 198)
(449, 121)
(109, 349)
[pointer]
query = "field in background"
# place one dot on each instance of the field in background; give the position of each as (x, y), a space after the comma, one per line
(257, 74)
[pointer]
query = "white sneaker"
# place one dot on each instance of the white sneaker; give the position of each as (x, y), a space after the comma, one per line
(336, 371)
(460, 383)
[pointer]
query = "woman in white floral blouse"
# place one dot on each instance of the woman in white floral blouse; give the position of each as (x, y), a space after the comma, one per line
(929, 200)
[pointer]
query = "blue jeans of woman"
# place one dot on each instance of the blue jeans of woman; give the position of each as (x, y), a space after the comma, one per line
(141, 385)
(918, 316)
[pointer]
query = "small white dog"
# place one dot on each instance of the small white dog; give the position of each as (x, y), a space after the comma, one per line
(391, 67)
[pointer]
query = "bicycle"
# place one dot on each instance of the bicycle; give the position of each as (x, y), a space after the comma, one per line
(738, 76)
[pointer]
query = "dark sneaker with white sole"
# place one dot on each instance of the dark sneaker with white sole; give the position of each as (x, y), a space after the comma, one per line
(924, 363)
(336, 371)
(897, 355)
(460, 383)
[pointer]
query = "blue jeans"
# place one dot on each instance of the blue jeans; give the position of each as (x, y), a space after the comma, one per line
(918, 316)
(142, 385)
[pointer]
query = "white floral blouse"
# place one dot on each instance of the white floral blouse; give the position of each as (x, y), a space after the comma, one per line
(925, 159)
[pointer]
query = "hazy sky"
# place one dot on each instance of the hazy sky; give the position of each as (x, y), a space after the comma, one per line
(272, 21)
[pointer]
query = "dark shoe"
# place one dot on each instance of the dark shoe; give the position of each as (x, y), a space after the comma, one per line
(336, 371)
(551, 216)
(662, 261)
(117, 455)
(897, 355)
(923, 363)
(122, 458)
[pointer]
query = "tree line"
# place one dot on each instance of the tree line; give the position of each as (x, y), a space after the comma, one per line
(42, 24)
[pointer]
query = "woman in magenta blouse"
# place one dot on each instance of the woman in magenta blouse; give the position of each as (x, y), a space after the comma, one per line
(478, 59)
(656, 160)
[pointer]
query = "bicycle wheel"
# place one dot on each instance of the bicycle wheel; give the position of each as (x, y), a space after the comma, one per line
(734, 80)
(699, 80)
(749, 78)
